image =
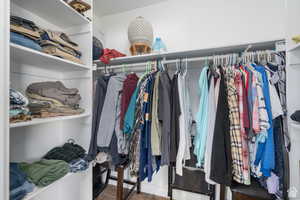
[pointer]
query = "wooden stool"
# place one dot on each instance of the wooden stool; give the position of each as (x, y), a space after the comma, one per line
(140, 48)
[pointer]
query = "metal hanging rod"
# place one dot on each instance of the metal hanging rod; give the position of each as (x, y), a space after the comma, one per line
(194, 55)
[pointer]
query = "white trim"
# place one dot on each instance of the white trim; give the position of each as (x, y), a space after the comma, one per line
(4, 103)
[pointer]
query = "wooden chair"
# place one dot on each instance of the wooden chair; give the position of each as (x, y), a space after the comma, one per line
(121, 195)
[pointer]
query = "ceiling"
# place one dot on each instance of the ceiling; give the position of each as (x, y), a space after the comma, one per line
(108, 7)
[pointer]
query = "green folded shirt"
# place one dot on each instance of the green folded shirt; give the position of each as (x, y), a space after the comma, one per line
(45, 172)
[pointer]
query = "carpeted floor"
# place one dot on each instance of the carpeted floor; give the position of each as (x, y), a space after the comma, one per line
(110, 194)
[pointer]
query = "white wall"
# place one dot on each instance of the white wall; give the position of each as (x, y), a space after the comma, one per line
(195, 24)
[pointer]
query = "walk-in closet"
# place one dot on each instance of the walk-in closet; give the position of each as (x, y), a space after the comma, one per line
(149, 99)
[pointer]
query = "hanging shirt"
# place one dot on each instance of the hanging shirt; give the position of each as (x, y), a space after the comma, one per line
(134, 150)
(254, 108)
(210, 131)
(221, 158)
(185, 121)
(145, 165)
(129, 118)
(98, 101)
(202, 119)
(244, 138)
(108, 121)
(265, 152)
(235, 129)
(128, 89)
(275, 101)
(155, 125)
(175, 113)
(164, 115)
(262, 109)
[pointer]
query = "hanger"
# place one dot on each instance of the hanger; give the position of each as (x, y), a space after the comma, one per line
(106, 72)
(186, 63)
(163, 64)
(212, 67)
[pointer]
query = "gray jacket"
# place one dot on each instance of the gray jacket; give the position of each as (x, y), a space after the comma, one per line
(109, 117)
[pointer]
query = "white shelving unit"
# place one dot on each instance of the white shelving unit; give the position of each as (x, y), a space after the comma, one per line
(29, 141)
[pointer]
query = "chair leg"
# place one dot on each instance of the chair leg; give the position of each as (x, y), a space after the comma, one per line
(213, 194)
(120, 182)
(222, 192)
(170, 180)
(138, 187)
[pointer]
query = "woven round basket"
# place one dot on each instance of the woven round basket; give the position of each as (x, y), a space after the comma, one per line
(140, 31)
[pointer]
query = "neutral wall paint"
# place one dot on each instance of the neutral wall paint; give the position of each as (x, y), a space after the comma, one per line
(195, 24)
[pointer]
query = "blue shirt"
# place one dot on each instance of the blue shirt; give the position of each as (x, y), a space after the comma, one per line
(130, 113)
(202, 119)
(265, 151)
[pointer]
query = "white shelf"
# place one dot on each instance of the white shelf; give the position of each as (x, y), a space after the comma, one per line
(294, 48)
(191, 53)
(56, 12)
(39, 190)
(46, 120)
(29, 56)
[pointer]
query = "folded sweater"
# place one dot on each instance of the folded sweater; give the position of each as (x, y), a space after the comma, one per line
(45, 172)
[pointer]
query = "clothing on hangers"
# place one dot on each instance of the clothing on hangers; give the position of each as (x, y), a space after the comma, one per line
(238, 123)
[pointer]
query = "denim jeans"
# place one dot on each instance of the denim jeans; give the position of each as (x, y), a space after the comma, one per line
(21, 191)
(24, 41)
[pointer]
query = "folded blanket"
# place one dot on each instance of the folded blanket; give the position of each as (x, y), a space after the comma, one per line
(45, 172)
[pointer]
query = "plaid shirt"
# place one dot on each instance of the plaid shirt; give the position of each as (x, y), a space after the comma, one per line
(263, 114)
(240, 94)
(235, 128)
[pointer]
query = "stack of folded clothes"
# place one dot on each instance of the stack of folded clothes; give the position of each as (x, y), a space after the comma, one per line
(45, 172)
(18, 184)
(71, 153)
(18, 111)
(59, 44)
(52, 99)
(24, 32)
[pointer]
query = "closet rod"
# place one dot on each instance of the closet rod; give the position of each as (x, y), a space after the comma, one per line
(142, 64)
(266, 45)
